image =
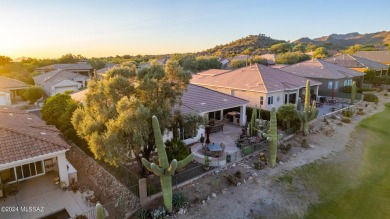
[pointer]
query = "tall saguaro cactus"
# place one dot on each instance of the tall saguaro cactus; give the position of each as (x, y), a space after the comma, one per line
(163, 168)
(273, 137)
(99, 211)
(309, 112)
(252, 127)
(353, 92)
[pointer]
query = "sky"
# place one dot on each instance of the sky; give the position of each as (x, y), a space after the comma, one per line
(49, 29)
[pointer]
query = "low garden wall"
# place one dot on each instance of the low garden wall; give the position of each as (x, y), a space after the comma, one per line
(109, 187)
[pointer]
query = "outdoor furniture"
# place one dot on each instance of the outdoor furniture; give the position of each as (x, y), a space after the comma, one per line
(215, 149)
(56, 180)
(87, 195)
(93, 200)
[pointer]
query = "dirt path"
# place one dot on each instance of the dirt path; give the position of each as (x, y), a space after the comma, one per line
(263, 196)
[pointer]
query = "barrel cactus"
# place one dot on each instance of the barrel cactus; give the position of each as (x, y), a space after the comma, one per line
(309, 112)
(273, 137)
(353, 92)
(163, 168)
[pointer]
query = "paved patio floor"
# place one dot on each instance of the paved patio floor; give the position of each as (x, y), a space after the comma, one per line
(42, 193)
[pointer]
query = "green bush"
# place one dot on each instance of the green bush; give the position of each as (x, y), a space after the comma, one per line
(387, 104)
(386, 94)
(346, 120)
(265, 114)
(346, 89)
(286, 178)
(178, 199)
(32, 94)
(370, 98)
(142, 214)
(347, 112)
(363, 89)
(176, 149)
(304, 143)
(380, 89)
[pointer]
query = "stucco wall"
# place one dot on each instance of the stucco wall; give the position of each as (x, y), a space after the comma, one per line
(7, 97)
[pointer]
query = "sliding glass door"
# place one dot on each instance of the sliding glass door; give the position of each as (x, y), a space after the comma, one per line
(23, 172)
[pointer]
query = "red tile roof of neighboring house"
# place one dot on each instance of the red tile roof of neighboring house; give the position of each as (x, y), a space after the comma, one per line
(23, 136)
(377, 56)
(316, 68)
(11, 84)
(351, 61)
(256, 77)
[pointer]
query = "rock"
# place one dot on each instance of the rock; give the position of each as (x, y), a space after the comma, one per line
(254, 174)
(204, 202)
(294, 155)
(213, 195)
(233, 165)
(312, 146)
(250, 178)
(244, 181)
(281, 162)
(238, 184)
(181, 211)
(208, 198)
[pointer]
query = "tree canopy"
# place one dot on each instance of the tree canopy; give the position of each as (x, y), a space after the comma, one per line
(281, 48)
(204, 63)
(116, 119)
(291, 58)
(237, 63)
(32, 94)
(5, 60)
(320, 53)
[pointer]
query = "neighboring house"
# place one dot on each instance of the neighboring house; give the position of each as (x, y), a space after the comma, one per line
(260, 85)
(10, 90)
(163, 61)
(29, 148)
(271, 58)
(332, 76)
(376, 56)
(201, 101)
(82, 67)
(359, 64)
(101, 73)
(59, 81)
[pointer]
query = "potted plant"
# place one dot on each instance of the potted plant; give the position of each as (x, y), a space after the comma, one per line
(206, 165)
(201, 139)
(63, 186)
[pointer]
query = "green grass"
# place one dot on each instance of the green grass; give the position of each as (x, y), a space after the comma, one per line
(360, 190)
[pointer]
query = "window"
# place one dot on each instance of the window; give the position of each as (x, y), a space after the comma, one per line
(261, 100)
(336, 84)
(270, 100)
(285, 98)
(330, 85)
(350, 82)
(345, 83)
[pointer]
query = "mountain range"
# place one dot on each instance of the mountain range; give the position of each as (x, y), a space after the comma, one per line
(349, 39)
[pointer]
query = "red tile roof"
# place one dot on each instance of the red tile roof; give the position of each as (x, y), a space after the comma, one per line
(23, 136)
(258, 78)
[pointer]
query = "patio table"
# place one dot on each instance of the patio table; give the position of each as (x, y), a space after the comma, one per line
(214, 147)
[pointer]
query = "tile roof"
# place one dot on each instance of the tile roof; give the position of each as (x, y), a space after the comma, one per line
(377, 56)
(351, 61)
(197, 99)
(316, 68)
(78, 66)
(53, 77)
(10, 84)
(24, 135)
(256, 77)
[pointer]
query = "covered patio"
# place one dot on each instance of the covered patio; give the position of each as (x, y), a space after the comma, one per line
(48, 198)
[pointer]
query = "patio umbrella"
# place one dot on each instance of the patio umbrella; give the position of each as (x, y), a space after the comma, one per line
(208, 129)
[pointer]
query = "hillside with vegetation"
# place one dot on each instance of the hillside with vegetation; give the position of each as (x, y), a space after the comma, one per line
(350, 39)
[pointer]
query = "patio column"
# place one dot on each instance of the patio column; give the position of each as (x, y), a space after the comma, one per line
(243, 115)
(221, 115)
(316, 90)
(62, 168)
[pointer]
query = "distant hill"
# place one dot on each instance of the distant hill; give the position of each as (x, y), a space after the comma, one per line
(257, 43)
(345, 40)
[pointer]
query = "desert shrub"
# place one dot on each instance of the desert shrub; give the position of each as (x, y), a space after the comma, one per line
(178, 199)
(159, 213)
(285, 148)
(360, 111)
(363, 89)
(32, 94)
(388, 89)
(380, 89)
(247, 150)
(387, 104)
(346, 120)
(196, 200)
(386, 94)
(378, 80)
(238, 174)
(371, 98)
(176, 149)
(347, 112)
(142, 214)
(346, 89)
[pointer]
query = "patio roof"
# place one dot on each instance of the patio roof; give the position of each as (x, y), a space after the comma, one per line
(197, 99)
(24, 135)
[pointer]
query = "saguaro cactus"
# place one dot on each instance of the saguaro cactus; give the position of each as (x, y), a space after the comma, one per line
(163, 168)
(309, 112)
(273, 137)
(353, 92)
(99, 211)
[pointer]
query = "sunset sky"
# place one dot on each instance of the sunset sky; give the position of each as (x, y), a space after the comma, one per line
(46, 29)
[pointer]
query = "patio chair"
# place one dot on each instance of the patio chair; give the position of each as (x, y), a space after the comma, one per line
(94, 200)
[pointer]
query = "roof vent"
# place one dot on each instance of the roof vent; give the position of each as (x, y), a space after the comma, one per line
(225, 100)
(202, 103)
(11, 114)
(29, 118)
(43, 133)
